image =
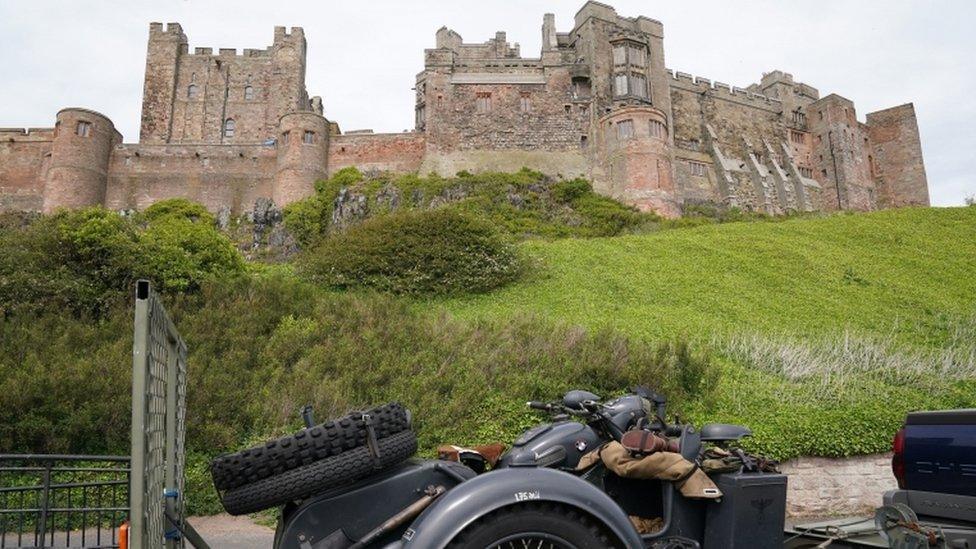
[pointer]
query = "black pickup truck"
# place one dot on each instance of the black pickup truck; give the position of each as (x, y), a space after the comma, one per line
(934, 461)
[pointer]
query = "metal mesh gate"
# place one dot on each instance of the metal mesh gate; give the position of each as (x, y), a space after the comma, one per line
(158, 426)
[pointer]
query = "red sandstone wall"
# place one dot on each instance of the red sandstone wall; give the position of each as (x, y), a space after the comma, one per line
(899, 171)
(22, 165)
(397, 152)
(215, 176)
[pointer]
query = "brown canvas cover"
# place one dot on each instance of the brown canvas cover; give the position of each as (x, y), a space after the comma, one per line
(691, 481)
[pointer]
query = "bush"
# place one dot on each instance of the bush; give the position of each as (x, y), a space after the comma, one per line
(86, 261)
(440, 251)
(181, 253)
(78, 261)
(179, 208)
(569, 190)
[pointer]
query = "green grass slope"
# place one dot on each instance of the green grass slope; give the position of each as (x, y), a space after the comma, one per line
(835, 323)
(909, 271)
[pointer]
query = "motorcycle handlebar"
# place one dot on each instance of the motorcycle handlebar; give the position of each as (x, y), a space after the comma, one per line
(555, 407)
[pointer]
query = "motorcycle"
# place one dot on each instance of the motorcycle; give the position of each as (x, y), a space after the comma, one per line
(535, 497)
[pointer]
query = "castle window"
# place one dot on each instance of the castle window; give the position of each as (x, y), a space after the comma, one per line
(421, 116)
(799, 118)
(638, 55)
(698, 169)
(625, 129)
(285, 137)
(308, 138)
(525, 104)
(797, 137)
(248, 93)
(638, 85)
(619, 85)
(620, 54)
(83, 129)
(581, 88)
(658, 129)
(191, 91)
(806, 172)
(583, 142)
(483, 102)
(229, 127)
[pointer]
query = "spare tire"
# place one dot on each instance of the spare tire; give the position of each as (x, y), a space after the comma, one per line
(306, 446)
(308, 480)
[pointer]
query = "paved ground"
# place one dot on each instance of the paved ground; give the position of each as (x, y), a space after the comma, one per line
(221, 532)
(227, 532)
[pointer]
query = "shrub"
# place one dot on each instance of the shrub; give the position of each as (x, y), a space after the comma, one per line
(86, 261)
(77, 261)
(181, 253)
(439, 251)
(568, 190)
(179, 208)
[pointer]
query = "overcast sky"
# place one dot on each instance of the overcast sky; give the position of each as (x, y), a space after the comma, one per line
(363, 55)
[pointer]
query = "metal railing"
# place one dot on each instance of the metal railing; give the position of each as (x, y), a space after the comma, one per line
(62, 500)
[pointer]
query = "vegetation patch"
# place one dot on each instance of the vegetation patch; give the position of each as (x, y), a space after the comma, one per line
(524, 204)
(87, 260)
(440, 251)
(260, 348)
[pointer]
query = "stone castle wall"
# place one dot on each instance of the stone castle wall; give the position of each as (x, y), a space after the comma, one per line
(24, 153)
(820, 487)
(596, 102)
(213, 175)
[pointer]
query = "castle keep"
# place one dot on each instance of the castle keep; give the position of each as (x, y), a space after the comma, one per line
(228, 128)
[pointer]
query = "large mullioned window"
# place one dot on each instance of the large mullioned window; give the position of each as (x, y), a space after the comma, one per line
(630, 70)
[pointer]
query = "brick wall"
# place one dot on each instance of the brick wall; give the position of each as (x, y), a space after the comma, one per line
(896, 148)
(22, 164)
(397, 152)
(214, 175)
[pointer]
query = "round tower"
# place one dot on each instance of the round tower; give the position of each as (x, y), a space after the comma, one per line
(78, 170)
(303, 145)
(636, 146)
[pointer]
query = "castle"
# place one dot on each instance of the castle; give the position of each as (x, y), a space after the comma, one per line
(228, 128)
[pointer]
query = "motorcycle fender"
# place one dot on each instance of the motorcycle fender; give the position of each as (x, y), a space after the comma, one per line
(476, 498)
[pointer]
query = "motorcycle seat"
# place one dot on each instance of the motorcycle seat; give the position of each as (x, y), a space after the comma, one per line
(716, 432)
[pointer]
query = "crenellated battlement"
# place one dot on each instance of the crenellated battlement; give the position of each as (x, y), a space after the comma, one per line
(722, 90)
(170, 31)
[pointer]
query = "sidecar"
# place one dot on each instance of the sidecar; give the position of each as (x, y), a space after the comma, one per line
(534, 499)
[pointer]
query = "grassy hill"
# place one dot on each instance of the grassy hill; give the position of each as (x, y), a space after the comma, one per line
(859, 317)
(817, 332)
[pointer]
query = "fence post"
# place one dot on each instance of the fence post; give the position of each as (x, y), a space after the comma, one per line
(43, 503)
(140, 367)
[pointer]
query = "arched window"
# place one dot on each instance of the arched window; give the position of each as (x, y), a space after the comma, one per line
(191, 91)
(248, 93)
(229, 127)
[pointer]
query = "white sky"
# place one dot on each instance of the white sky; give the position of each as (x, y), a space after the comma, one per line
(363, 56)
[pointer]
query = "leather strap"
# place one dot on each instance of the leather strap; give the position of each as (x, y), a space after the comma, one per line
(372, 444)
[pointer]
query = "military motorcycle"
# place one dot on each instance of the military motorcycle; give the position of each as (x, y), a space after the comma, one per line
(534, 496)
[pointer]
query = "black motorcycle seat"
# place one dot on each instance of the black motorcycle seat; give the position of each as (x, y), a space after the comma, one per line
(713, 432)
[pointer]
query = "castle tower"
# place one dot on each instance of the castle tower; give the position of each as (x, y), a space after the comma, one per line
(303, 146)
(166, 46)
(635, 146)
(78, 170)
(287, 77)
